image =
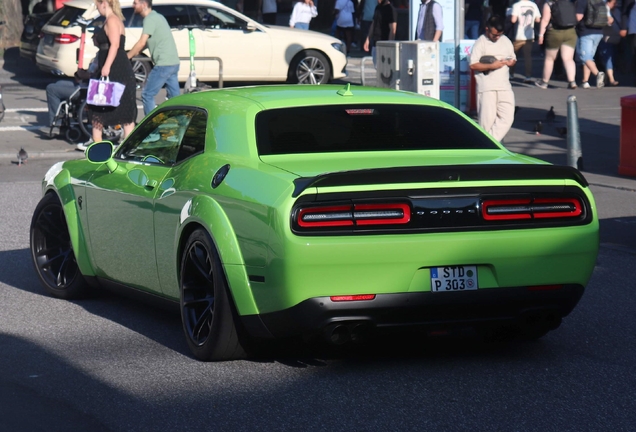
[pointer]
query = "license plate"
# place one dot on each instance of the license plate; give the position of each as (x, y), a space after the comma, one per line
(456, 278)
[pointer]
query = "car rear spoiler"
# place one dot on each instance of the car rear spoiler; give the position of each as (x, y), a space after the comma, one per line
(425, 174)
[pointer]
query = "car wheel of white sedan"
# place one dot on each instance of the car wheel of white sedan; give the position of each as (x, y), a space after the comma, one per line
(52, 251)
(206, 309)
(141, 69)
(310, 67)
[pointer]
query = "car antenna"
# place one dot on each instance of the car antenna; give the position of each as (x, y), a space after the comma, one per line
(346, 91)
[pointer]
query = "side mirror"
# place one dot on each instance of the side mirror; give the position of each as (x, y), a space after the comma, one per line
(102, 152)
(250, 27)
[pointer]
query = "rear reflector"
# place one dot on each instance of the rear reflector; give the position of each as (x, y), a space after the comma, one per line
(66, 38)
(538, 208)
(352, 297)
(356, 214)
(545, 287)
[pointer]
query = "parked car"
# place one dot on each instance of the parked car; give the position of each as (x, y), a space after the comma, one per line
(250, 52)
(273, 211)
(30, 38)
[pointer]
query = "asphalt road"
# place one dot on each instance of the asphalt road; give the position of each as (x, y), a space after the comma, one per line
(109, 363)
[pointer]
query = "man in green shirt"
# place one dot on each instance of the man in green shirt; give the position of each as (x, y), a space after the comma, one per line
(158, 38)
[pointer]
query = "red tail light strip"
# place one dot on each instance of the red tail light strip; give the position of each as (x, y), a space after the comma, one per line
(325, 216)
(381, 214)
(65, 38)
(539, 208)
(359, 297)
(357, 214)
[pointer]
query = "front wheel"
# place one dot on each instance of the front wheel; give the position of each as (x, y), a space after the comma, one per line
(310, 67)
(141, 69)
(207, 311)
(52, 251)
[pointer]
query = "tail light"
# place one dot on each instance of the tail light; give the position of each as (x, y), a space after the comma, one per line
(531, 208)
(65, 38)
(358, 297)
(354, 215)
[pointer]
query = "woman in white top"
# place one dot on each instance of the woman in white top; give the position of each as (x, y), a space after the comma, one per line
(303, 12)
(344, 11)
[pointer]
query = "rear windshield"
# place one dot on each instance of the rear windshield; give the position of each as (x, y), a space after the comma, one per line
(66, 16)
(324, 129)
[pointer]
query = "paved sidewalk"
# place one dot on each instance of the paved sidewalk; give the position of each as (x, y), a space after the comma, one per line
(599, 114)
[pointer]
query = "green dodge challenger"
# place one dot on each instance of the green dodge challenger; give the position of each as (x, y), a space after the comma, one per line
(275, 211)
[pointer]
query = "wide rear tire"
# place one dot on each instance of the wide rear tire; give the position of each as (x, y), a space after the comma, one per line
(207, 311)
(52, 251)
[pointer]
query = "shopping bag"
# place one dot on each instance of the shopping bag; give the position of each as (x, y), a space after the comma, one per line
(104, 92)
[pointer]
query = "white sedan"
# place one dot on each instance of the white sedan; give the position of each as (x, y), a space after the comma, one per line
(249, 51)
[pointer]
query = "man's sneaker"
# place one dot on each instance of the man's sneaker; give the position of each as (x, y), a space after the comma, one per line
(572, 85)
(528, 80)
(585, 85)
(541, 84)
(600, 80)
(83, 146)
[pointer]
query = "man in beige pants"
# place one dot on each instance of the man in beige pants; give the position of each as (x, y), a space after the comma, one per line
(490, 58)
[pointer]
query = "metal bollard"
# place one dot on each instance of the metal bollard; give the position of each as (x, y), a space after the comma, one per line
(575, 155)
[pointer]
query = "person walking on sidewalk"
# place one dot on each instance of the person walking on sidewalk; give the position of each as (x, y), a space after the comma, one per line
(383, 26)
(593, 16)
(156, 35)
(557, 32)
(302, 14)
(491, 57)
(269, 10)
(524, 14)
(430, 21)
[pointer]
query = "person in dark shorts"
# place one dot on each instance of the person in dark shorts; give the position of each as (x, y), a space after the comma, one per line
(383, 26)
(555, 40)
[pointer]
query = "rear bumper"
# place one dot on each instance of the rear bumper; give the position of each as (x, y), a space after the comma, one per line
(420, 310)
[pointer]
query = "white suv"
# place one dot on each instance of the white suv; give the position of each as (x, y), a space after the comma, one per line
(250, 51)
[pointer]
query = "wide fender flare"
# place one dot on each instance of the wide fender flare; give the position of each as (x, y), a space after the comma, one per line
(205, 211)
(61, 184)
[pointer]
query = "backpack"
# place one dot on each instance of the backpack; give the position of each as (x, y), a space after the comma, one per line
(596, 14)
(563, 14)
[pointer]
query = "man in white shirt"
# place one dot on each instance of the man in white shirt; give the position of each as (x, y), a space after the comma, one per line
(490, 58)
(524, 14)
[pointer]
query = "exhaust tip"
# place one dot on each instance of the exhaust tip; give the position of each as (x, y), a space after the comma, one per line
(337, 334)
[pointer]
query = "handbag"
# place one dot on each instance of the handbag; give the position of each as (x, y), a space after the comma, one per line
(104, 92)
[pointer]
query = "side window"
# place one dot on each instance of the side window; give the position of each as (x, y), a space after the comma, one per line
(193, 141)
(214, 18)
(176, 15)
(158, 140)
(131, 19)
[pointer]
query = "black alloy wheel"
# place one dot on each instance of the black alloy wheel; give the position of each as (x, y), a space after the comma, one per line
(52, 251)
(207, 313)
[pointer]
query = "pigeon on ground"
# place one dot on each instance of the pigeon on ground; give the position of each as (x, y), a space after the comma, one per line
(538, 128)
(22, 156)
(563, 131)
(550, 116)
